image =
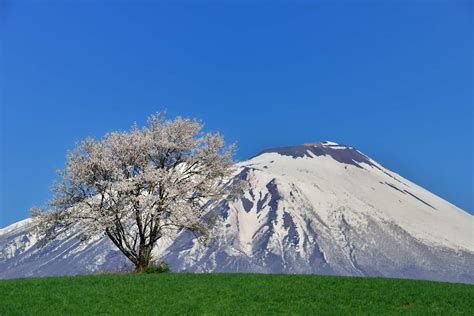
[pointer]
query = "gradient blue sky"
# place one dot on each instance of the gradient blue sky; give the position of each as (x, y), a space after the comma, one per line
(394, 80)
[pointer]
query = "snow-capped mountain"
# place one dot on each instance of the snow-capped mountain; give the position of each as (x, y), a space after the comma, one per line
(314, 208)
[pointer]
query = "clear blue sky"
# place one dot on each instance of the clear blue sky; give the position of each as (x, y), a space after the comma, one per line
(394, 80)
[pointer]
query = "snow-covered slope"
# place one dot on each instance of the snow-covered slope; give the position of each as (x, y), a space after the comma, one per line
(313, 208)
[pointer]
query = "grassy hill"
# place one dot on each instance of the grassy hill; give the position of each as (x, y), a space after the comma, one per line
(217, 294)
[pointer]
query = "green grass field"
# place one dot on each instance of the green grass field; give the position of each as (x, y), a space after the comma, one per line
(218, 294)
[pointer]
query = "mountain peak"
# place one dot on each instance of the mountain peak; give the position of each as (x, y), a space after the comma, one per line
(319, 144)
(340, 153)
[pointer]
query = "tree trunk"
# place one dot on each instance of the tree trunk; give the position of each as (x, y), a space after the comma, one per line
(144, 259)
